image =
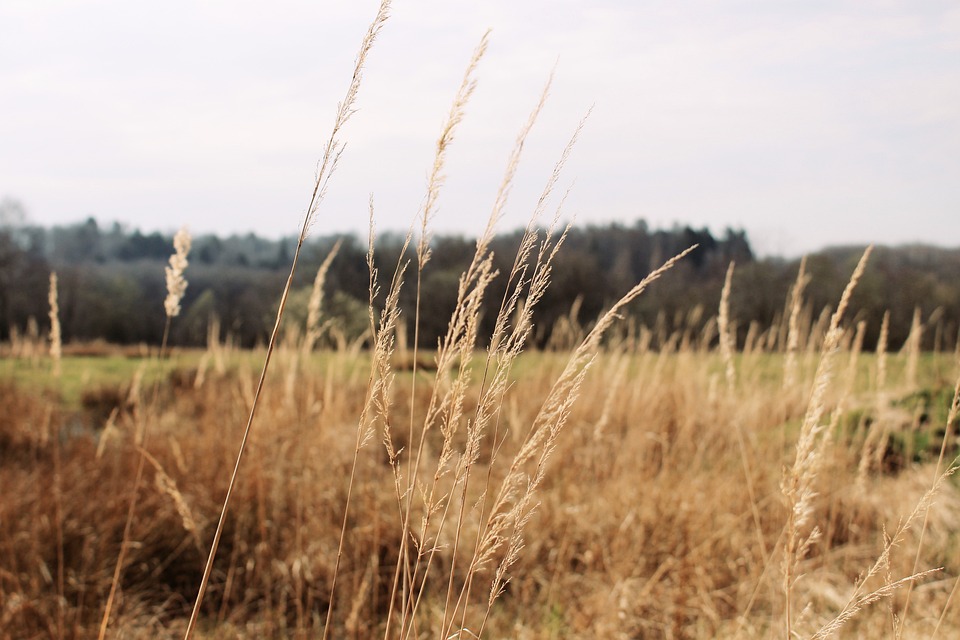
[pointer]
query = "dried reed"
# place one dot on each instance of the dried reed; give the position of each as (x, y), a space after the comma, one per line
(56, 346)
(176, 283)
(176, 288)
(798, 483)
(313, 328)
(326, 167)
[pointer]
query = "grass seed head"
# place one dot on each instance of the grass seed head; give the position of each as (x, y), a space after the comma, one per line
(176, 283)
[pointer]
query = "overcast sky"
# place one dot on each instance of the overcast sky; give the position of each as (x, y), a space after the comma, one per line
(807, 123)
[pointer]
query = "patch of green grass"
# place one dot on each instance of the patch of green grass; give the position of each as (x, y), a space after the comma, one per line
(81, 373)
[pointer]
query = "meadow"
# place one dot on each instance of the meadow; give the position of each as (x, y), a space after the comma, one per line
(625, 482)
(661, 511)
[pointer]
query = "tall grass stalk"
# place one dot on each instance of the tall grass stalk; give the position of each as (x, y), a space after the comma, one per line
(506, 342)
(378, 393)
(515, 503)
(793, 328)
(176, 287)
(491, 399)
(58, 518)
(727, 338)
(312, 332)
(912, 347)
(873, 443)
(314, 329)
(882, 353)
(56, 341)
(727, 348)
(798, 483)
(55, 355)
(176, 283)
(428, 210)
(326, 167)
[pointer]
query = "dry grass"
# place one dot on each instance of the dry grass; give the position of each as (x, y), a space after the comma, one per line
(708, 489)
(644, 526)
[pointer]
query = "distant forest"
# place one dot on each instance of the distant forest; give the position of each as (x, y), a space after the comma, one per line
(112, 283)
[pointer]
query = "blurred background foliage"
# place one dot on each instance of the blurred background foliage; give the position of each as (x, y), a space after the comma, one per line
(112, 282)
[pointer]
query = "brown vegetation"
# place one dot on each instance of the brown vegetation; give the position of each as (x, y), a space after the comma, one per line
(776, 486)
(645, 526)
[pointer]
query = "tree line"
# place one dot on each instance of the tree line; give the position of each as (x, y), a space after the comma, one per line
(112, 282)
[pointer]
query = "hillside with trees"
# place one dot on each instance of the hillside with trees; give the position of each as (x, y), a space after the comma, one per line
(112, 282)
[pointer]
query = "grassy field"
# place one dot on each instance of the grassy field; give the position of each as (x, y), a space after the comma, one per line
(780, 485)
(643, 524)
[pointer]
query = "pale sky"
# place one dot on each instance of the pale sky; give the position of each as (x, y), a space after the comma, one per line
(807, 123)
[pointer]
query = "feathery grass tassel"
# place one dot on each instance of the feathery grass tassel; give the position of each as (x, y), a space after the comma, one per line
(176, 283)
(325, 169)
(56, 344)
